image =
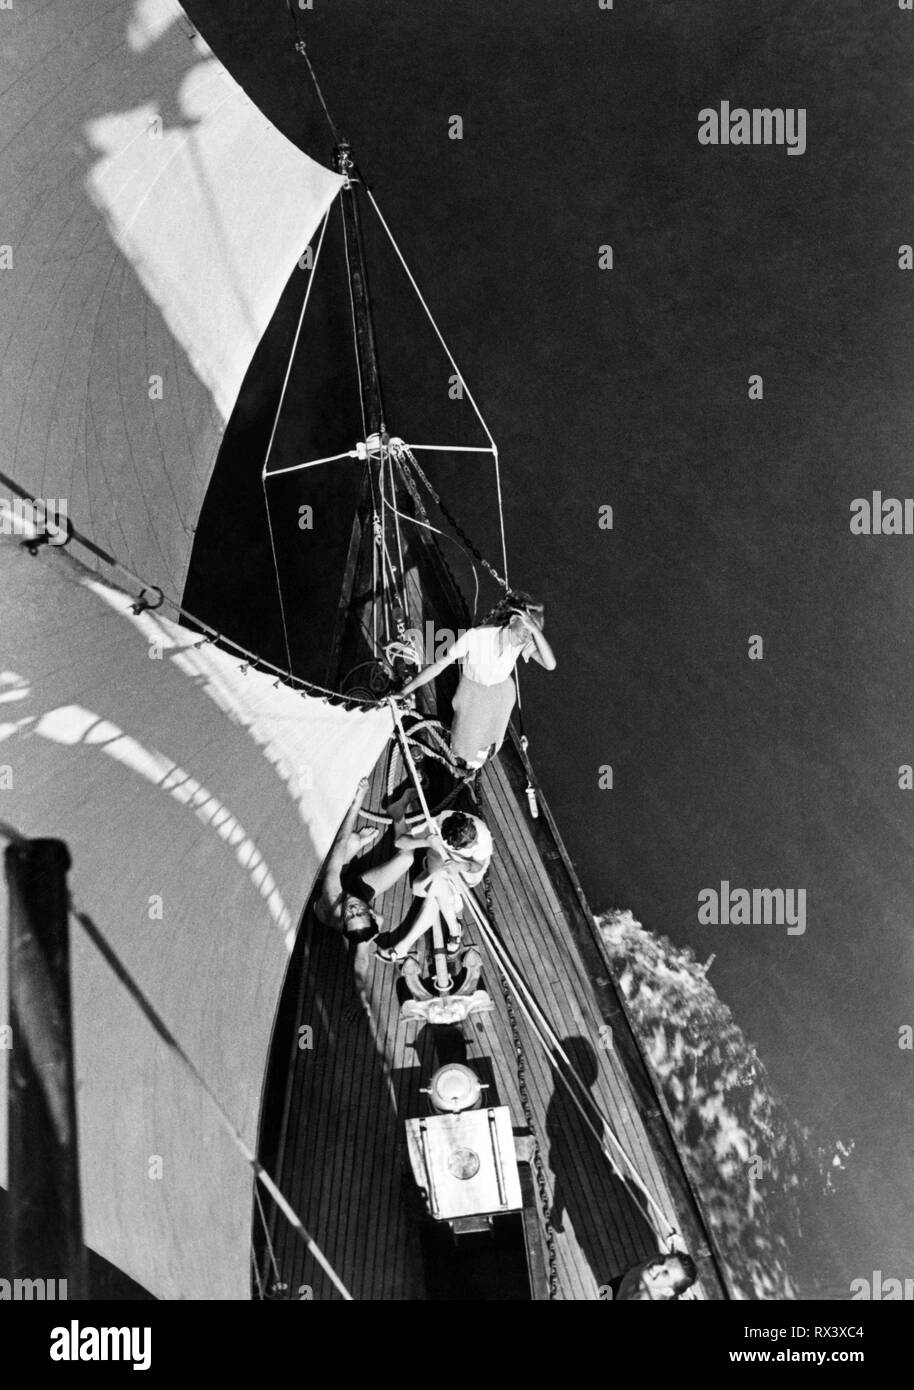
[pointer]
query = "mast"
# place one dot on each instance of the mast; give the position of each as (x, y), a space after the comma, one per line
(45, 1236)
(372, 403)
(363, 323)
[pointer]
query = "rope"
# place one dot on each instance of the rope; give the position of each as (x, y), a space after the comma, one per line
(434, 729)
(282, 606)
(451, 519)
(301, 47)
(547, 1038)
(450, 357)
(272, 439)
(392, 506)
(427, 525)
(260, 1173)
(270, 1251)
(259, 1281)
(424, 521)
(541, 1027)
(211, 634)
(522, 1086)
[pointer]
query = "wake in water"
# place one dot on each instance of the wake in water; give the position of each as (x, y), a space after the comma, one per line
(756, 1169)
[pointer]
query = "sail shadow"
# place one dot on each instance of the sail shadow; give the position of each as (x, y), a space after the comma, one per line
(604, 1210)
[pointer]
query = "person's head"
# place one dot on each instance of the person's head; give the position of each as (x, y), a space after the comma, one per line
(670, 1276)
(459, 830)
(360, 922)
(515, 602)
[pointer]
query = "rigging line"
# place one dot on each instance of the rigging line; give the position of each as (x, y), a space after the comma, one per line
(159, 1026)
(302, 48)
(298, 328)
(282, 606)
(397, 585)
(407, 455)
(445, 537)
(272, 440)
(451, 448)
(375, 548)
(211, 634)
(509, 968)
(235, 649)
(311, 463)
(549, 1039)
(382, 482)
(379, 549)
(551, 1045)
(374, 590)
(394, 585)
(257, 1273)
(429, 315)
(440, 336)
(408, 758)
(266, 1233)
(393, 507)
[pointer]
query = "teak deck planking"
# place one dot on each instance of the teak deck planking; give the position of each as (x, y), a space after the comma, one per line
(342, 1161)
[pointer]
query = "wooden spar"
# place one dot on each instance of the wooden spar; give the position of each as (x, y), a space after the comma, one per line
(46, 1221)
(369, 387)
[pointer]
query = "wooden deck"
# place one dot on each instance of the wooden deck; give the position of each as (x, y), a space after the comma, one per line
(340, 1155)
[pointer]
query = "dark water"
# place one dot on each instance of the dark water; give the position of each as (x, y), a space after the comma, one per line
(629, 388)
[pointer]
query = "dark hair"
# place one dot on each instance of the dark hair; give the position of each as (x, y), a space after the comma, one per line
(514, 601)
(459, 830)
(689, 1270)
(354, 907)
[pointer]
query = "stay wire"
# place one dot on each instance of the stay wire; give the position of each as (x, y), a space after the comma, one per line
(450, 356)
(264, 474)
(302, 48)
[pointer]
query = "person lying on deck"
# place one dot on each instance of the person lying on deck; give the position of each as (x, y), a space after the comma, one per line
(346, 900)
(660, 1280)
(486, 693)
(458, 851)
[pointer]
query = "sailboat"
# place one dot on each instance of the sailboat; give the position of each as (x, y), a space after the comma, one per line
(249, 1124)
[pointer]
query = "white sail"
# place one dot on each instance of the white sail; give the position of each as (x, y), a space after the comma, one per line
(198, 802)
(150, 216)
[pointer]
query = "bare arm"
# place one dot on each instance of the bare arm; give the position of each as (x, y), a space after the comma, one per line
(430, 672)
(340, 851)
(410, 843)
(361, 958)
(542, 652)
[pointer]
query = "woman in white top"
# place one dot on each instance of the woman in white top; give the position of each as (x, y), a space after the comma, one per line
(486, 693)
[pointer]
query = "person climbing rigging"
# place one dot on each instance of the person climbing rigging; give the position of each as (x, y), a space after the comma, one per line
(458, 850)
(486, 693)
